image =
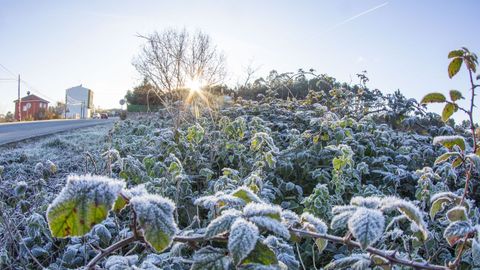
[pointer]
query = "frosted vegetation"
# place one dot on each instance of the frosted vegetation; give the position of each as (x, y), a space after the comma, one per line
(273, 183)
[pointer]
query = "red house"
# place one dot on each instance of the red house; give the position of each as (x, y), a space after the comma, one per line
(31, 107)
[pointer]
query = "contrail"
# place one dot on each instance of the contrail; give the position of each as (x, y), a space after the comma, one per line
(357, 16)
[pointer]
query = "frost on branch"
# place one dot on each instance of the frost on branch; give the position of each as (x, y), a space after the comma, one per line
(367, 226)
(222, 223)
(155, 217)
(211, 258)
(456, 231)
(409, 210)
(242, 240)
(354, 261)
(84, 202)
(266, 216)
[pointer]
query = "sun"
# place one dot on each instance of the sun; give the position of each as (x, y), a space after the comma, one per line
(194, 85)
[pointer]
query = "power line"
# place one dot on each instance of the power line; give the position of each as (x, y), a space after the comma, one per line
(7, 70)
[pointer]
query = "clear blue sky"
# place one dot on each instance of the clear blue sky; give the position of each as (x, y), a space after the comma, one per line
(402, 44)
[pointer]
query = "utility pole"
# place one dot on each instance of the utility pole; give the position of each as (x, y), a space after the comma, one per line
(19, 101)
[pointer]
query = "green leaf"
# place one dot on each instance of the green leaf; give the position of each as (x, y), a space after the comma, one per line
(454, 67)
(448, 110)
(261, 254)
(433, 98)
(246, 194)
(457, 162)
(211, 258)
(450, 141)
(445, 157)
(455, 53)
(455, 95)
(458, 213)
(438, 206)
(155, 218)
(84, 202)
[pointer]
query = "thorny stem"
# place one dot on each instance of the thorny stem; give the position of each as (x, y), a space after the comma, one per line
(470, 114)
(455, 263)
(390, 256)
(467, 181)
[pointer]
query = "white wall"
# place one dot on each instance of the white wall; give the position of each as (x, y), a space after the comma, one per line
(77, 98)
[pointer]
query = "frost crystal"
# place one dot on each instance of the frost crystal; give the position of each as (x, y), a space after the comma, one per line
(84, 202)
(222, 223)
(155, 217)
(242, 240)
(343, 208)
(368, 202)
(317, 223)
(366, 225)
(262, 209)
(409, 210)
(290, 218)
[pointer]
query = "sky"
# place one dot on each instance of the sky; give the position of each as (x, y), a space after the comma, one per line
(403, 44)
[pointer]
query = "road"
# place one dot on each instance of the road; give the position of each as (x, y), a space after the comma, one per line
(15, 132)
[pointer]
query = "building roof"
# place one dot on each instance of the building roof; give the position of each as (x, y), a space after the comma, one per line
(32, 98)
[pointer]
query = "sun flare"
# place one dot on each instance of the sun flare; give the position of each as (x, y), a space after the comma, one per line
(194, 85)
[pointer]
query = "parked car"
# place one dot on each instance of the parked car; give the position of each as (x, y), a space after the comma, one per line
(96, 116)
(104, 116)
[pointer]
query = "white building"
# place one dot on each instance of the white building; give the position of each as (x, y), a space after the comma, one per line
(79, 102)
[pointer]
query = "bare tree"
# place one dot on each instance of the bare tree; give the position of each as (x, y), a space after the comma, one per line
(169, 58)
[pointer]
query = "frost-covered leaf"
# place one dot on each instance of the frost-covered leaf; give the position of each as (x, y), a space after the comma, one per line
(316, 225)
(341, 220)
(445, 157)
(290, 218)
(409, 210)
(155, 218)
(367, 202)
(458, 213)
(476, 251)
(266, 216)
(354, 261)
(338, 209)
(121, 201)
(242, 240)
(261, 254)
(84, 202)
(116, 262)
(366, 225)
(211, 258)
(456, 231)
(433, 98)
(246, 194)
(440, 200)
(450, 141)
(222, 223)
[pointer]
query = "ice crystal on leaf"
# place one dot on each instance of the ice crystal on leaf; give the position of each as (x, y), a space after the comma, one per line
(450, 141)
(368, 202)
(316, 225)
(354, 261)
(456, 231)
(266, 216)
(211, 258)
(367, 226)
(246, 194)
(409, 210)
(222, 223)
(290, 218)
(343, 208)
(84, 202)
(155, 218)
(242, 240)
